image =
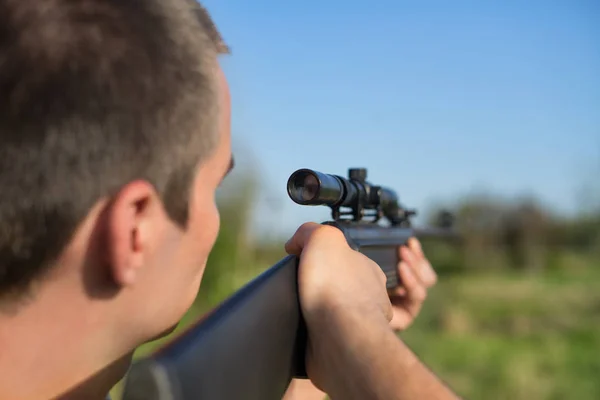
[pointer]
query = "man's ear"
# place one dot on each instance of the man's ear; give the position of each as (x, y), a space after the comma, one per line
(133, 221)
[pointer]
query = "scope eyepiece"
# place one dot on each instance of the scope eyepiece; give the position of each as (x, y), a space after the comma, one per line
(308, 187)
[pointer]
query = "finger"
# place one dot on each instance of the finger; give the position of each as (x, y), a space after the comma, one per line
(409, 257)
(415, 245)
(420, 266)
(298, 241)
(415, 290)
(428, 275)
(406, 254)
(397, 292)
(311, 230)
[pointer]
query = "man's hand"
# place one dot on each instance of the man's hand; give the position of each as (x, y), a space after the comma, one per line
(339, 289)
(351, 351)
(417, 277)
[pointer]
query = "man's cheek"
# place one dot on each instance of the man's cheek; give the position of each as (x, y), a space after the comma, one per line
(217, 222)
(208, 229)
(214, 228)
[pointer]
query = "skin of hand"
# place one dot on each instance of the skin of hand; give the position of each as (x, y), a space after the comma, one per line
(417, 277)
(328, 291)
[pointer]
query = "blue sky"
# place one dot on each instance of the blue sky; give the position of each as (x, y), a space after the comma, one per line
(436, 98)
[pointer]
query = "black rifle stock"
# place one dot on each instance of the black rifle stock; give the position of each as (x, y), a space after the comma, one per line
(252, 345)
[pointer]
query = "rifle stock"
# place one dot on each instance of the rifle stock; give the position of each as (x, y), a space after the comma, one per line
(252, 345)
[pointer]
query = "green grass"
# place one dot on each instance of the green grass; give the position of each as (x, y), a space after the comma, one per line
(513, 337)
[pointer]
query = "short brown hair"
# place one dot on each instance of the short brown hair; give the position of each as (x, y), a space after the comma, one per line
(95, 94)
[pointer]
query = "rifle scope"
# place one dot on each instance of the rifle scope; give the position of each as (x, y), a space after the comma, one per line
(312, 188)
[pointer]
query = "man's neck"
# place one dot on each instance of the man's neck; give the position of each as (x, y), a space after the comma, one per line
(97, 386)
(50, 350)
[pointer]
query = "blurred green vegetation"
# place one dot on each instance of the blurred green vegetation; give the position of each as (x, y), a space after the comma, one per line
(516, 312)
(500, 336)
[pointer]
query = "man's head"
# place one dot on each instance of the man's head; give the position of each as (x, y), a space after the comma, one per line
(114, 135)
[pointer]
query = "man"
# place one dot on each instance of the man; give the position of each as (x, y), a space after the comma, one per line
(114, 136)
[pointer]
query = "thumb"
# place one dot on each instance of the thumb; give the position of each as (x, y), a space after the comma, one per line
(300, 239)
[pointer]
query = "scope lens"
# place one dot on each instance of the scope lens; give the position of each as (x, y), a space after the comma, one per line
(309, 188)
(304, 187)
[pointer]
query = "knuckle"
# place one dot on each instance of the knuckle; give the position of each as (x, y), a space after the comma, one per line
(420, 294)
(307, 226)
(382, 276)
(434, 279)
(326, 232)
(389, 311)
(306, 230)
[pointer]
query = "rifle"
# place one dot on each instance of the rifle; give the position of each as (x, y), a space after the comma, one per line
(253, 344)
